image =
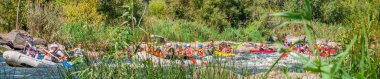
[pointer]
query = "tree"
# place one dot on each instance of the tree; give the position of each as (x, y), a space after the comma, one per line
(8, 15)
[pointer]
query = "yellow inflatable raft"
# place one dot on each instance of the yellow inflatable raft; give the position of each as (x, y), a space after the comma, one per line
(223, 54)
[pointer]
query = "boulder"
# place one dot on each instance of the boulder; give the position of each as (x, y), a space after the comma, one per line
(11, 36)
(39, 41)
(18, 38)
(15, 37)
(2, 41)
(1, 35)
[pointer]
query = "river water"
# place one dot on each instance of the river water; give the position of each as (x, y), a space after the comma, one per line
(8, 72)
(242, 63)
(250, 63)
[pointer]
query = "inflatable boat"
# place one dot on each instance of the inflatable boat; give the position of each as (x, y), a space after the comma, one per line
(262, 51)
(15, 58)
(223, 54)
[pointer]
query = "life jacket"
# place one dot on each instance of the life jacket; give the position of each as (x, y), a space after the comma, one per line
(40, 56)
(180, 52)
(192, 59)
(200, 53)
(324, 53)
(284, 55)
(332, 51)
(31, 51)
(66, 64)
(156, 53)
(188, 52)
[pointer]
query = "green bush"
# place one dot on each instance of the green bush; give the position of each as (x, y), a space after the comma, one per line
(192, 31)
(334, 12)
(183, 31)
(157, 8)
(99, 36)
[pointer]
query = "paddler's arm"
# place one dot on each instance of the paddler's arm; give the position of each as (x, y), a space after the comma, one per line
(71, 50)
(36, 56)
(54, 56)
(191, 53)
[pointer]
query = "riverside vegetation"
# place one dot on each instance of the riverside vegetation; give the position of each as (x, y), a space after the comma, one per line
(116, 24)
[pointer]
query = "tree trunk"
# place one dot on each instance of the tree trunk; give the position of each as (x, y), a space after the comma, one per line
(17, 15)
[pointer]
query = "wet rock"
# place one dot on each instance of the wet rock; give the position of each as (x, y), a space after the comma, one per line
(39, 41)
(11, 36)
(2, 41)
(17, 38)
(14, 37)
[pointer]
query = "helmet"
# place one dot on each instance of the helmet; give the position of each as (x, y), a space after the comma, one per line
(168, 44)
(188, 45)
(200, 45)
(175, 45)
(184, 45)
(54, 45)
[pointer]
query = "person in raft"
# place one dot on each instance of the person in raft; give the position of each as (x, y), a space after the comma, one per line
(200, 52)
(177, 51)
(228, 49)
(210, 48)
(148, 48)
(221, 47)
(171, 52)
(57, 53)
(78, 50)
(43, 54)
(48, 55)
(183, 51)
(165, 53)
(189, 54)
(261, 47)
(40, 55)
(30, 49)
(157, 52)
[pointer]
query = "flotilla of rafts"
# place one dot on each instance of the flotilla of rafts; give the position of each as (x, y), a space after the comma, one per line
(300, 44)
(297, 44)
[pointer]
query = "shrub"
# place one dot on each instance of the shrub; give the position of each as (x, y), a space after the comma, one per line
(183, 31)
(157, 8)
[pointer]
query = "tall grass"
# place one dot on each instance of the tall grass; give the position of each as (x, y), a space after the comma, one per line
(110, 66)
(148, 70)
(101, 36)
(185, 31)
(357, 61)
